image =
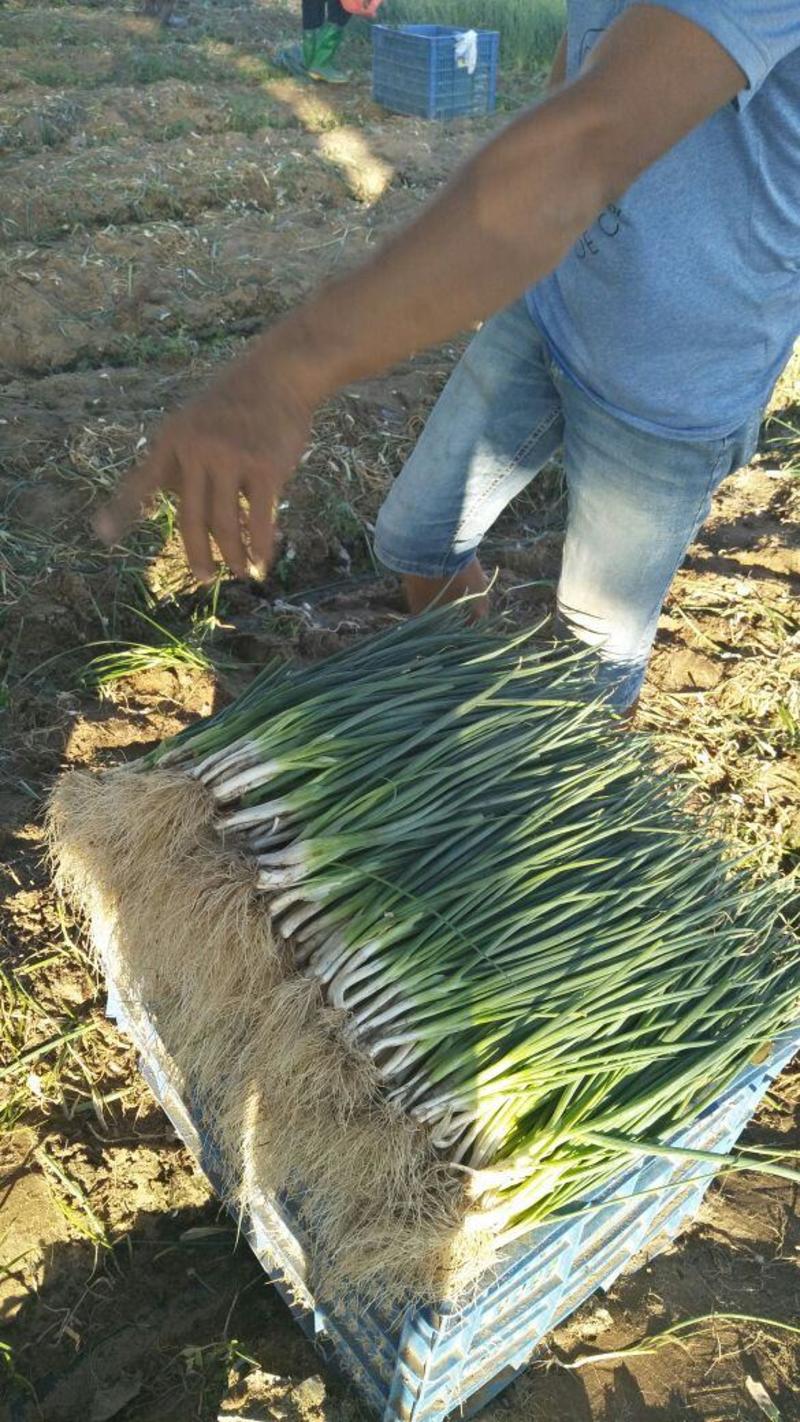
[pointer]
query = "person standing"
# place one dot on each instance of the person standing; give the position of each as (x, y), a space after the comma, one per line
(634, 241)
(323, 29)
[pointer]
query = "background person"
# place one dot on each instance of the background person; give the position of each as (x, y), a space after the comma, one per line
(324, 24)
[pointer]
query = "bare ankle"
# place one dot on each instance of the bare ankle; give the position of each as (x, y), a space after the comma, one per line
(422, 593)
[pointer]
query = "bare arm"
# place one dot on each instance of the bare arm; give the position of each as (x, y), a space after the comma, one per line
(506, 220)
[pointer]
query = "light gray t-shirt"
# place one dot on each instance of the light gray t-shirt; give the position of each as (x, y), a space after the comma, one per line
(678, 308)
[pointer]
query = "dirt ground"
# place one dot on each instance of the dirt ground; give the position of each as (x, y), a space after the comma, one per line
(163, 193)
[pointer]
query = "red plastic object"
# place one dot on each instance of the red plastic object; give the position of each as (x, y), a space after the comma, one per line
(367, 9)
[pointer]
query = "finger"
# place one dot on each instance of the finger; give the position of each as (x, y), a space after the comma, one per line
(113, 519)
(261, 523)
(193, 520)
(226, 525)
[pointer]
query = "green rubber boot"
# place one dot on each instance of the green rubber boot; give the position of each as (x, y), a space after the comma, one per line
(298, 58)
(310, 41)
(294, 57)
(322, 64)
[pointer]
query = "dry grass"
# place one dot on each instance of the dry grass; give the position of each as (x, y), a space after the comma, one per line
(738, 745)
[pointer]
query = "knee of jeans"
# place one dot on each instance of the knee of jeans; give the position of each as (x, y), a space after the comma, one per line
(421, 546)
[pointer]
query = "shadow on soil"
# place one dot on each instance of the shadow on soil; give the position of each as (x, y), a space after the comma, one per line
(149, 1330)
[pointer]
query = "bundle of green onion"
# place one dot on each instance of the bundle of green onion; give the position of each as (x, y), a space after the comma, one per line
(550, 966)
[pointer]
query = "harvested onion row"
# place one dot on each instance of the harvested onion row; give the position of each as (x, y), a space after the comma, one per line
(547, 959)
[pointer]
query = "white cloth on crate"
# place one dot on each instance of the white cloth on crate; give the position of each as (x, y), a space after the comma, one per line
(467, 51)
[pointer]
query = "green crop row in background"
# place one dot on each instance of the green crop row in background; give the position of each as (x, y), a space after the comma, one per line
(529, 29)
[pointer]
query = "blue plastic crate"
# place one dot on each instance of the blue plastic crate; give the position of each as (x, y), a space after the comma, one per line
(423, 1364)
(415, 71)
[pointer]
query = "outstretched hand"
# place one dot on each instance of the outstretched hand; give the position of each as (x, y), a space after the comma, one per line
(226, 455)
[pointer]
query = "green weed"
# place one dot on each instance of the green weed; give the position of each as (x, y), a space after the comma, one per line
(9, 1373)
(50, 74)
(788, 722)
(75, 1207)
(154, 65)
(170, 653)
(25, 1070)
(341, 519)
(206, 1366)
(177, 128)
(247, 113)
(529, 29)
(176, 348)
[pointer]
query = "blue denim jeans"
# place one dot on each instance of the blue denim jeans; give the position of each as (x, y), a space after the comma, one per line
(635, 500)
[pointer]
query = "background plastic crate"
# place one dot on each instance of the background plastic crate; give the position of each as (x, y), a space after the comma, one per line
(414, 71)
(423, 1364)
